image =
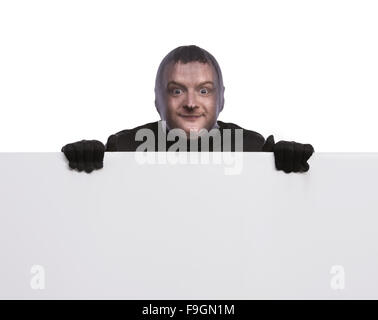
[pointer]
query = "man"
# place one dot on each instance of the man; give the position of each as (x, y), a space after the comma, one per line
(189, 95)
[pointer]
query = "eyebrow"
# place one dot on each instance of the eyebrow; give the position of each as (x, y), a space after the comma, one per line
(181, 85)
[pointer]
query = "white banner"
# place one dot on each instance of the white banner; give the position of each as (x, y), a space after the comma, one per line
(183, 226)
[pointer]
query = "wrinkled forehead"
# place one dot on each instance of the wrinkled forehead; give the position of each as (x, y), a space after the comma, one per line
(189, 74)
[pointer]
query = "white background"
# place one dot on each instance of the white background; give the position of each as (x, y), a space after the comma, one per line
(301, 70)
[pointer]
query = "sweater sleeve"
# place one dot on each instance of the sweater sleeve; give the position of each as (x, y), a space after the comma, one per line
(111, 145)
(269, 144)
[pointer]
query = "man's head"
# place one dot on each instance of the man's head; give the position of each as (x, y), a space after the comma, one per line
(189, 91)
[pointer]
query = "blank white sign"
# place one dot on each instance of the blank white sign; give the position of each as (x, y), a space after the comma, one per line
(137, 230)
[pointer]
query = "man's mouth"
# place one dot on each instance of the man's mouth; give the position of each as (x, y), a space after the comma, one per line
(190, 117)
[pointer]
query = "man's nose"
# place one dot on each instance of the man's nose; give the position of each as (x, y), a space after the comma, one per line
(190, 101)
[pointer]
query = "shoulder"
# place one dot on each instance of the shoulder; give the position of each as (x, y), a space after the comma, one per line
(125, 140)
(252, 140)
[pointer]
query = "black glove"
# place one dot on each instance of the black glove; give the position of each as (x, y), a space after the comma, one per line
(289, 156)
(86, 155)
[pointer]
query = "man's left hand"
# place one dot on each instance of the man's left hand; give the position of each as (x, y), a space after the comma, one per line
(289, 156)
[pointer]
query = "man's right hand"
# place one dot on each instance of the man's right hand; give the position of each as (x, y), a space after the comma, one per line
(87, 155)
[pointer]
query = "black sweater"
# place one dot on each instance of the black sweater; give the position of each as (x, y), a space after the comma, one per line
(125, 139)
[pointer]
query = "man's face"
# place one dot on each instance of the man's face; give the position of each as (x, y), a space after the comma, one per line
(190, 96)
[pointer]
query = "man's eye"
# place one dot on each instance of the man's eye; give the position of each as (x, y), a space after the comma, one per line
(204, 91)
(176, 91)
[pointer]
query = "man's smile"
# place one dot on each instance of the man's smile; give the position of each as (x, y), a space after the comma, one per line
(190, 117)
